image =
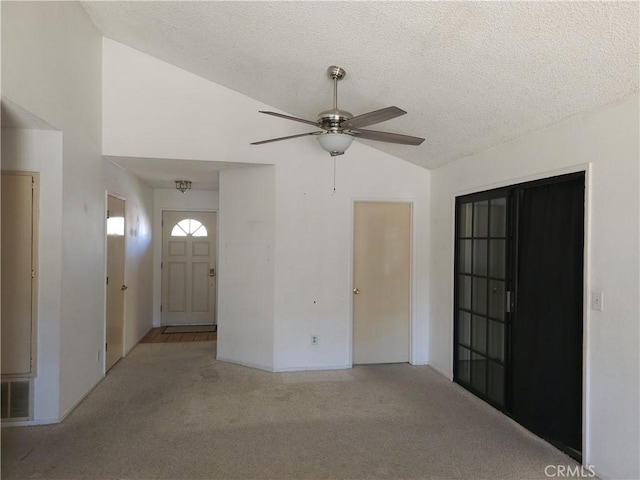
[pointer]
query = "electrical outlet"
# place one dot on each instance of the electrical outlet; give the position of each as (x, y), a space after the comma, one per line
(597, 300)
(314, 339)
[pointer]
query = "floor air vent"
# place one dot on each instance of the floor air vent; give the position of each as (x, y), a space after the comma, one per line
(16, 396)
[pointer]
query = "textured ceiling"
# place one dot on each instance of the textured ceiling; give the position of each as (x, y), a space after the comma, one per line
(470, 74)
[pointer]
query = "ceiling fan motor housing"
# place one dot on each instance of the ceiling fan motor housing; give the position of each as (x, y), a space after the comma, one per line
(331, 119)
(339, 126)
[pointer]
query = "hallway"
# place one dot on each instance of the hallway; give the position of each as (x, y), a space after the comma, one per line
(171, 411)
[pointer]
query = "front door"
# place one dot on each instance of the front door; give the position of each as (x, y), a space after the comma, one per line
(381, 281)
(188, 268)
(115, 280)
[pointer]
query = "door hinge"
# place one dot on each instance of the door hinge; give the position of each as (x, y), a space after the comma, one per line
(108, 214)
(161, 307)
(161, 265)
(508, 297)
(107, 280)
(33, 274)
(106, 347)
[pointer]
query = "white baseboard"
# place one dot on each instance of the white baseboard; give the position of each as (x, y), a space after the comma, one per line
(245, 364)
(447, 375)
(82, 397)
(312, 368)
(31, 423)
(137, 341)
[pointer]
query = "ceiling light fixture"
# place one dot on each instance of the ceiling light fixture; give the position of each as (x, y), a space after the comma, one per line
(338, 127)
(183, 185)
(334, 142)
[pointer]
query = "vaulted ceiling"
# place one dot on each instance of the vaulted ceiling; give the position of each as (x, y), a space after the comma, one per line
(470, 74)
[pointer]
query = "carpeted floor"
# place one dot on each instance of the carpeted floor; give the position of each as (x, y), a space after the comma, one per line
(170, 411)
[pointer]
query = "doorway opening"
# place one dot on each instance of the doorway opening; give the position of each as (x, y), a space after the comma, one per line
(518, 303)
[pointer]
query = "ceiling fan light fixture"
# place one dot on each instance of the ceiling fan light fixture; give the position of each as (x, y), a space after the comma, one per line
(334, 142)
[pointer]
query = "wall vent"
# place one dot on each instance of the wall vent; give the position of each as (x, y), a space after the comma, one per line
(15, 399)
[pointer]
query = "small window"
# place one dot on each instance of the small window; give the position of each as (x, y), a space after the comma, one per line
(115, 226)
(189, 226)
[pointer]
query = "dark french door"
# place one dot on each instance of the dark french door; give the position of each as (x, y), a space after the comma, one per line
(519, 306)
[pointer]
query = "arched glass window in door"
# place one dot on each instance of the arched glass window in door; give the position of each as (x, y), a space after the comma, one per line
(189, 227)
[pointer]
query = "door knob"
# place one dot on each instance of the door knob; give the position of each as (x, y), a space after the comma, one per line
(356, 291)
(123, 287)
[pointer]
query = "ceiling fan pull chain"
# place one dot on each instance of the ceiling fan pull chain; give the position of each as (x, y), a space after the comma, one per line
(334, 175)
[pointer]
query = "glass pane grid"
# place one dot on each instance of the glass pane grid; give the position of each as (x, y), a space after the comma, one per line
(480, 308)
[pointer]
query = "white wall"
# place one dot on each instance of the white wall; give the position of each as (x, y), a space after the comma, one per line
(41, 151)
(314, 238)
(152, 107)
(155, 110)
(608, 141)
(172, 199)
(51, 54)
(138, 273)
(246, 256)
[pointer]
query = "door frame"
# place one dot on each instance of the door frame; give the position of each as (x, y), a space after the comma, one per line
(103, 353)
(161, 243)
(586, 168)
(412, 268)
(35, 265)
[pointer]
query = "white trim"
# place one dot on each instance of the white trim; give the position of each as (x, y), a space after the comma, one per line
(582, 167)
(586, 318)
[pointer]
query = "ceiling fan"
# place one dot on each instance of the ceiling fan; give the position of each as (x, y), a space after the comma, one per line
(339, 127)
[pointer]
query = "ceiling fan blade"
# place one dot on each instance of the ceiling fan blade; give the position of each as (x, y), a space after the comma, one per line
(387, 137)
(285, 138)
(295, 119)
(370, 118)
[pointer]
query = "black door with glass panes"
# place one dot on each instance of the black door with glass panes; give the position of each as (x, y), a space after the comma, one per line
(518, 303)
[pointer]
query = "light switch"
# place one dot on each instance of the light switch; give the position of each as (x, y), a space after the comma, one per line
(596, 301)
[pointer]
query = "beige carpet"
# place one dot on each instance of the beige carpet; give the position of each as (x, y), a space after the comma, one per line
(171, 411)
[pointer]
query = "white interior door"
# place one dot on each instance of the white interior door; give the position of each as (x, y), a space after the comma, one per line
(381, 281)
(19, 237)
(188, 268)
(115, 280)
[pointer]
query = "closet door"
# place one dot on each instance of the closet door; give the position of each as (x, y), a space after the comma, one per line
(546, 340)
(481, 285)
(519, 304)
